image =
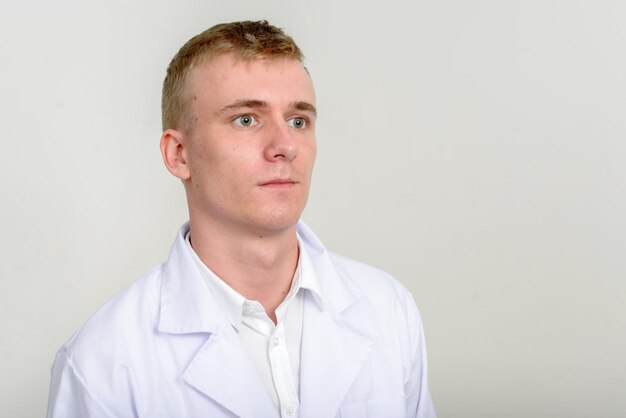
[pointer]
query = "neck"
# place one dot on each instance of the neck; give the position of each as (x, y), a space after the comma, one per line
(257, 264)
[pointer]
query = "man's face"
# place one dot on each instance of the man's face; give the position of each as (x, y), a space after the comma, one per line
(251, 148)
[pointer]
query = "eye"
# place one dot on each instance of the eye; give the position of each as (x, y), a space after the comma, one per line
(245, 121)
(298, 123)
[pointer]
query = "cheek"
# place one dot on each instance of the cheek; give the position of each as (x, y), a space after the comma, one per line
(309, 154)
(237, 168)
(205, 172)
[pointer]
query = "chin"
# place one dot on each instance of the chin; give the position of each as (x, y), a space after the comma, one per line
(279, 221)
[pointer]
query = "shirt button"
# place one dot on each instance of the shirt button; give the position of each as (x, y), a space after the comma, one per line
(291, 410)
(276, 342)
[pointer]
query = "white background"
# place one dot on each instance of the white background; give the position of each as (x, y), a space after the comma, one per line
(474, 149)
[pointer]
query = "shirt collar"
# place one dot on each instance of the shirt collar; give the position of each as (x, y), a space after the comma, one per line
(308, 278)
(232, 303)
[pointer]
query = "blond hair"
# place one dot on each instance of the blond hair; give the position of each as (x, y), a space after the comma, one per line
(247, 40)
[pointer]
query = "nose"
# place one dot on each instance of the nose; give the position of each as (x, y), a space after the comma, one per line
(281, 144)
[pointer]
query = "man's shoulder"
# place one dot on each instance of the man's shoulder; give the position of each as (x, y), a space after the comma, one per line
(375, 283)
(96, 368)
(134, 310)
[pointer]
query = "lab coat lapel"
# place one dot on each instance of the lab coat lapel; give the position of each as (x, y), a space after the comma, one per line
(334, 345)
(221, 369)
(224, 372)
(332, 355)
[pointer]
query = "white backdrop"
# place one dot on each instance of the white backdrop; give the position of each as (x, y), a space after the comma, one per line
(473, 149)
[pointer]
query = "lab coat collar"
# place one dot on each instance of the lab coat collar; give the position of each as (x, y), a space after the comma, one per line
(339, 294)
(186, 303)
(334, 348)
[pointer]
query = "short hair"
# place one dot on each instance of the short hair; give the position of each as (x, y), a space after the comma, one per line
(248, 40)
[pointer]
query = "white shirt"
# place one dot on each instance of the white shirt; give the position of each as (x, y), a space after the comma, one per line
(274, 348)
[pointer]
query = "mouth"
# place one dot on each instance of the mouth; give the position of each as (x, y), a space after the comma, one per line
(279, 183)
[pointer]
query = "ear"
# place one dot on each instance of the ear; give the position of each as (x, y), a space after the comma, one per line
(174, 154)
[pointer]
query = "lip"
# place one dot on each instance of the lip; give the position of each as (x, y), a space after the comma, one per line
(279, 183)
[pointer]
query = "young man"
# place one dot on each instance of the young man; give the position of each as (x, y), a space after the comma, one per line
(250, 316)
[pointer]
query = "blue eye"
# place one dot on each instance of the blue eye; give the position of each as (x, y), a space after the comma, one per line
(298, 123)
(245, 121)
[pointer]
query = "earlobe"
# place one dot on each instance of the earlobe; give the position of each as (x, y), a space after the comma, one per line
(173, 153)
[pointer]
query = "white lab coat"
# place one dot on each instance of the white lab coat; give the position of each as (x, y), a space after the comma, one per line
(162, 349)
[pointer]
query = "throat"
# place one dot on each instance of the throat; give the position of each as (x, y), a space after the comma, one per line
(260, 268)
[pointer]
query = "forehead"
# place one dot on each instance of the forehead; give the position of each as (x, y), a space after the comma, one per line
(226, 77)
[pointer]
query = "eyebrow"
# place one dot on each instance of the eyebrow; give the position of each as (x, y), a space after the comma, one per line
(244, 103)
(254, 103)
(306, 107)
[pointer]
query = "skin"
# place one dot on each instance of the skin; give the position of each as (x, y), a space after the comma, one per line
(246, 164)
